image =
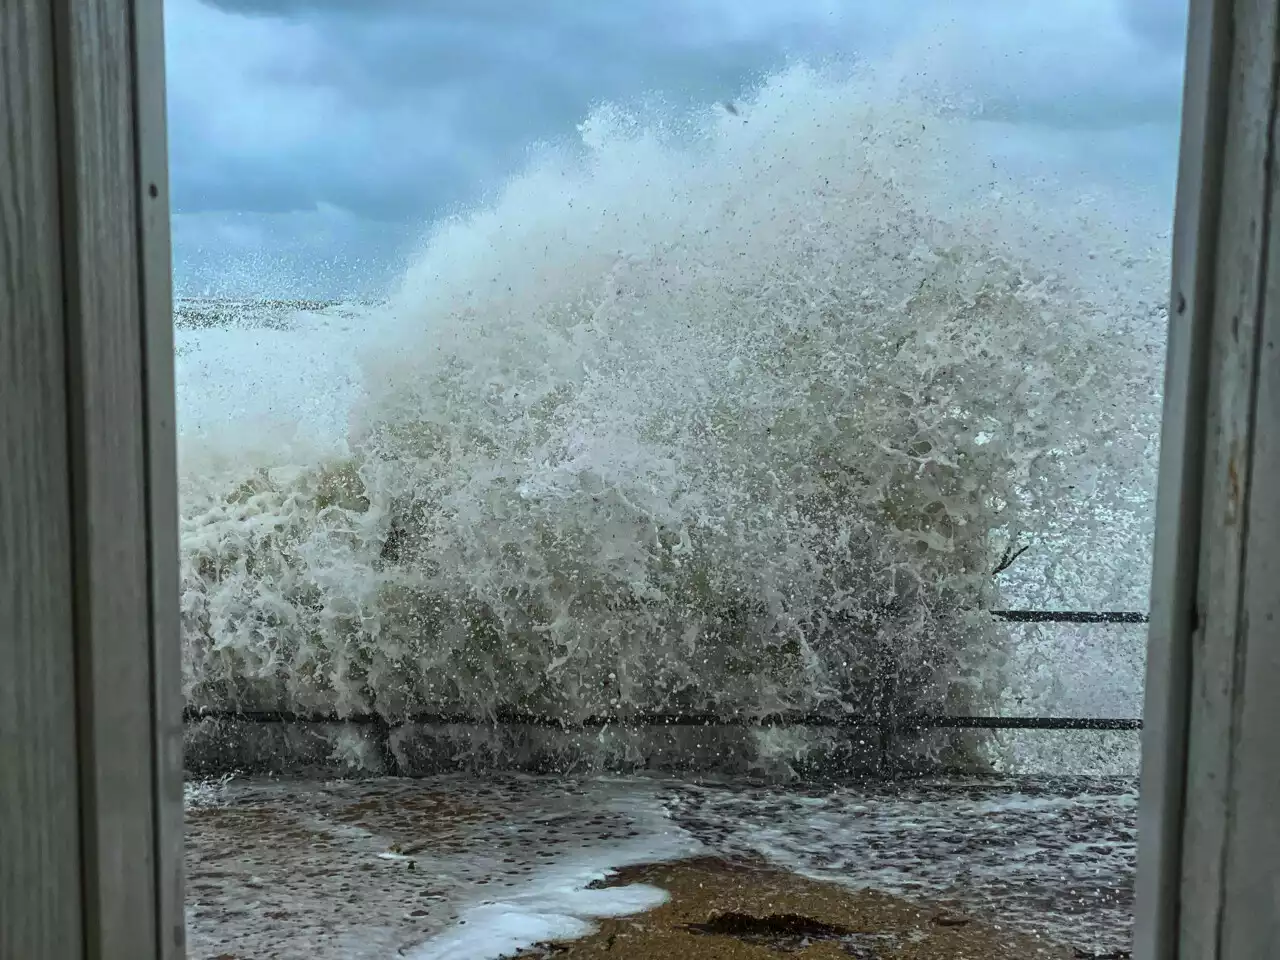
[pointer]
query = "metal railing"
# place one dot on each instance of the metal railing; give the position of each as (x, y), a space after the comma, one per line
(1070, 616)
(884, 726)
(783, 719)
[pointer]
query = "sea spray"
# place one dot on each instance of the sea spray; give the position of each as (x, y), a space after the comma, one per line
(725, 413)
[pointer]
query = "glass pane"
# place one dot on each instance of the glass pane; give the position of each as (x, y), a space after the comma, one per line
(667, 477)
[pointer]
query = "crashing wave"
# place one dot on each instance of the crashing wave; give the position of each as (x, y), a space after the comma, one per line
(722, 415)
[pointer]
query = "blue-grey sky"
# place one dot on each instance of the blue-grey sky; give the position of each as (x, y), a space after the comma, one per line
(312, 140)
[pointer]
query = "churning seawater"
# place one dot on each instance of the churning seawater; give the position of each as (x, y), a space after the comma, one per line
(726, 411)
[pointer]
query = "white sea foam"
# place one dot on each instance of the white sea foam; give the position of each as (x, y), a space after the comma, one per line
(559, 904)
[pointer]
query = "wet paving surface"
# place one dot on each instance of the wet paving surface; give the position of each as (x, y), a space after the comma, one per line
(464, 867)
(1048, 857)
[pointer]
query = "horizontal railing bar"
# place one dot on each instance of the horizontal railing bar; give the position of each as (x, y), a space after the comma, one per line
(681, 720)
(1071, 616)
(1023, 723)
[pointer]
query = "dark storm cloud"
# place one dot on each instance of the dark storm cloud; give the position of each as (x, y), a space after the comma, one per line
(396, 110)
(473, 81)
(417, 103)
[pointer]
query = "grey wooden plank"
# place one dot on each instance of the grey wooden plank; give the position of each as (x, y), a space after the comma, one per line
(1251, 883)
(105, 331)
(39, 819)
(1182, 442)
(162, 487)
(1216, 651)
(1210, 841)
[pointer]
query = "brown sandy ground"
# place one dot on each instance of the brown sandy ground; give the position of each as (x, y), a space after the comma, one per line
(738, 910)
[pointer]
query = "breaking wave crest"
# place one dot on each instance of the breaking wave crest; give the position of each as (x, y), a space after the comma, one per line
(731, 412)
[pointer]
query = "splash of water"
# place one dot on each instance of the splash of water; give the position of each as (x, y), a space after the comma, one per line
(733, 412)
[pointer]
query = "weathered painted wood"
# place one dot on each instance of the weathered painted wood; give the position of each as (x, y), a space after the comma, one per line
(1209, 884)
(1177, 550)
(105, 379)
(39, 801)
(1216, 653)
(1251, 866)
(162, 489)
(90, 469)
